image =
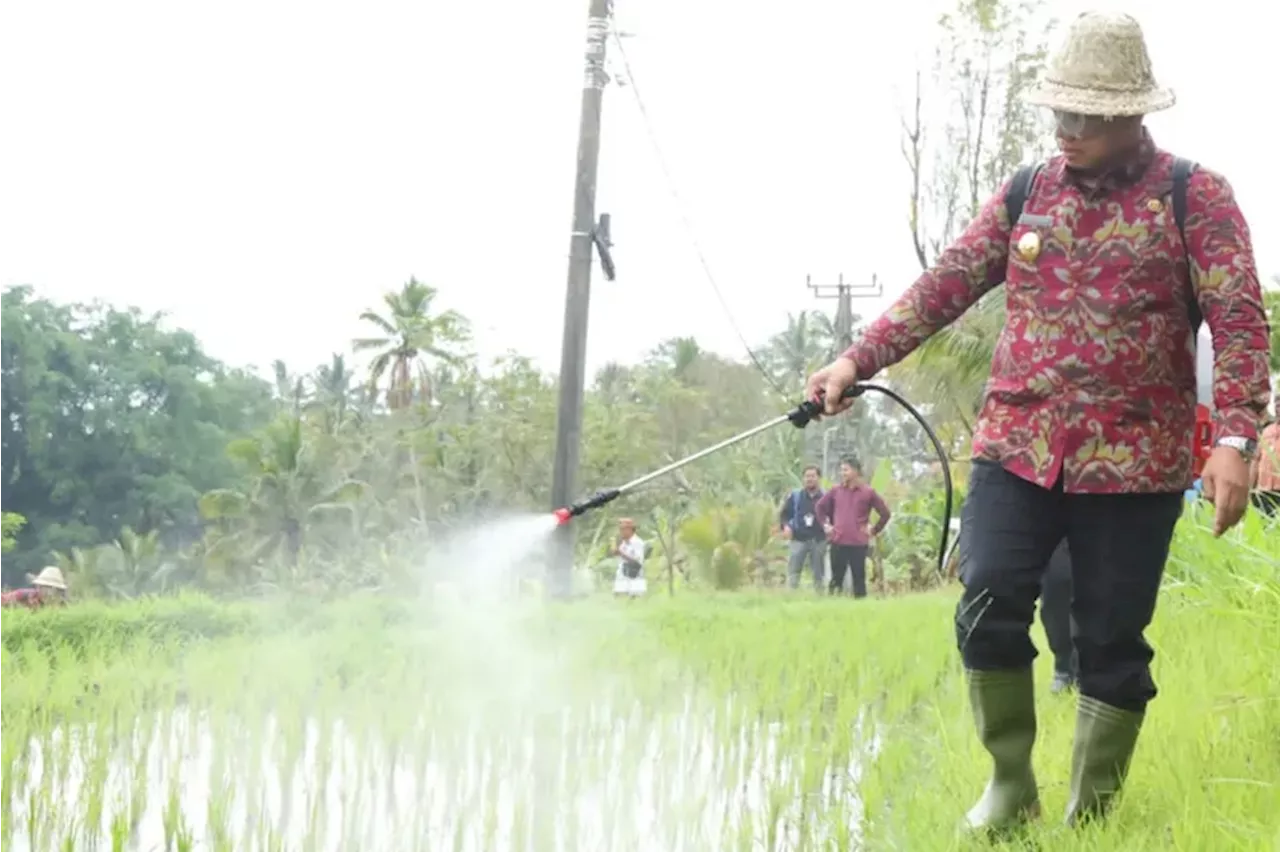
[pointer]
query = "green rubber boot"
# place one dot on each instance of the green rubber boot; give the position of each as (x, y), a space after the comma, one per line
(1105, 739)
(1004, 710)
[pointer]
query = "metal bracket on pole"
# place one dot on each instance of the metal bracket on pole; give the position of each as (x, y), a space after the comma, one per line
(602, 236)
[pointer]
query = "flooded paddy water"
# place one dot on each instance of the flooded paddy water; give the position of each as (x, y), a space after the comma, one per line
(602, 776)
(476, 726)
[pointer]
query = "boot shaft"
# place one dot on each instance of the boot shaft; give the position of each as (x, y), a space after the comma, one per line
(1004, 713)
(1105, 740)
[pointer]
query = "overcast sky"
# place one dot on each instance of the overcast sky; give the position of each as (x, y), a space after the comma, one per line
(263, 171)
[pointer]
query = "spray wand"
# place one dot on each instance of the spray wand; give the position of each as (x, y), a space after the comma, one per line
(800, 416)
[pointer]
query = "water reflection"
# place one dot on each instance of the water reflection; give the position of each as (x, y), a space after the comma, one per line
(601, 777)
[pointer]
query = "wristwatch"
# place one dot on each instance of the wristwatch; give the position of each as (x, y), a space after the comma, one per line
(1246, 447)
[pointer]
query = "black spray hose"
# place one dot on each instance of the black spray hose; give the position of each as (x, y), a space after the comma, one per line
(802, 415)
(948, 490)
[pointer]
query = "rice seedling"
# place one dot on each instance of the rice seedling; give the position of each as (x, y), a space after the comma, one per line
(725, 721)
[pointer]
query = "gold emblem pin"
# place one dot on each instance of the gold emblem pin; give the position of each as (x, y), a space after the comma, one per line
(1154, 205)
(1029, 246)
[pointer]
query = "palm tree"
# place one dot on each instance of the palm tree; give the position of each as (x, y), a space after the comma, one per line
(290, 389)
(808, 339)
(678, 354)
(332, 384)
(286, 490)
(409, 331)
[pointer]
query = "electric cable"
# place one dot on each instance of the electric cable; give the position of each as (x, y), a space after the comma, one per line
(684, 217)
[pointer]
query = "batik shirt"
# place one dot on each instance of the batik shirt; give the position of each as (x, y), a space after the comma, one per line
(1093, 378)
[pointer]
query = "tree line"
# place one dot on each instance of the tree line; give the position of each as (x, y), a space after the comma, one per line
(143, 463)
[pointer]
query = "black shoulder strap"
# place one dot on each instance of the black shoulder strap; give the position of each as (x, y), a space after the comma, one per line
(1182, 170)
(1019, 190)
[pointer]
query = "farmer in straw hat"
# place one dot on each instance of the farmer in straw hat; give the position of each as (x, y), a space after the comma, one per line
(1086, 426)
(46, 587)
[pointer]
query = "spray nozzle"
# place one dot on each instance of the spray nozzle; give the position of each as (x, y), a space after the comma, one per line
(597, 500)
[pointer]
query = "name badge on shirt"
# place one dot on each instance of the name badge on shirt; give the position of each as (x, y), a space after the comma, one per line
(808, 520)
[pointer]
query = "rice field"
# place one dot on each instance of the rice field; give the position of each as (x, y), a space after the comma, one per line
(703, 722)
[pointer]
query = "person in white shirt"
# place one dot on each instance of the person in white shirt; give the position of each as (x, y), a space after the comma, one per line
(630, 552)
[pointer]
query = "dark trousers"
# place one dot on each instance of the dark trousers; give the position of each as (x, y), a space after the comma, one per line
(853, 558)
(1119, 544)
(1055, 609)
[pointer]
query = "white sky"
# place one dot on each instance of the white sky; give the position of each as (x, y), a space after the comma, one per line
(263, 171)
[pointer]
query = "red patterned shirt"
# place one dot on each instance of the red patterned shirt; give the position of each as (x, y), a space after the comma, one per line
(22, 597)
(1094, 373)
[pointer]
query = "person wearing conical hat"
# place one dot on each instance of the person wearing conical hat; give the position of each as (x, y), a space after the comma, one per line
(46, 587)
(1111, 254)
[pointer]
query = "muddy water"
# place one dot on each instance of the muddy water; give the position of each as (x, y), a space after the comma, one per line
(600, 778)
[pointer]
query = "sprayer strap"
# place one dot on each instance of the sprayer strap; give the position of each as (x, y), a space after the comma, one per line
(1182, 170)
(1019, 191)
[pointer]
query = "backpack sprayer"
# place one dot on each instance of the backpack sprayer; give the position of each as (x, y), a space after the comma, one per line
(800, 416)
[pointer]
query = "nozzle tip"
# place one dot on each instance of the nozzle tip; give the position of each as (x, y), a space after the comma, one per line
(562, 516)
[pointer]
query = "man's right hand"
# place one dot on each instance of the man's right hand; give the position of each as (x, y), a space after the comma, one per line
(831, 382)
(786, 532)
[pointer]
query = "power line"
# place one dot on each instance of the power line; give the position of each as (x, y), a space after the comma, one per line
(684, 217)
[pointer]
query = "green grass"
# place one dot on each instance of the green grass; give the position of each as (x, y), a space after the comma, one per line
(602, 724)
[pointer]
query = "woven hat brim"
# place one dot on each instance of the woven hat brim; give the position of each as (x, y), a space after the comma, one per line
(1098, 101)
(48, 578)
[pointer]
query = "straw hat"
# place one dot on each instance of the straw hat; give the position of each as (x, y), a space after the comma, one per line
(1102, 69)
(51, 577)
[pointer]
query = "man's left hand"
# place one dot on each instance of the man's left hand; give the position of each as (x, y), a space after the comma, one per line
(1225, 481)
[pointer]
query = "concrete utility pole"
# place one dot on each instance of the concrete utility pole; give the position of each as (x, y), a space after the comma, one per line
(573, 353)
(844, 294)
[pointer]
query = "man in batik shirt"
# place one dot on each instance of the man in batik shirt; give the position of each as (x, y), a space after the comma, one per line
(1086, 428)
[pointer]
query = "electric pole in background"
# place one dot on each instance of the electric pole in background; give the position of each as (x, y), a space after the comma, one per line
(843, 428)
(573, 353)
(844, 295)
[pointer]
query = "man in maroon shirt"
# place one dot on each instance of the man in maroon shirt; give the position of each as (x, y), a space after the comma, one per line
(845, 512)
(1086, 429)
